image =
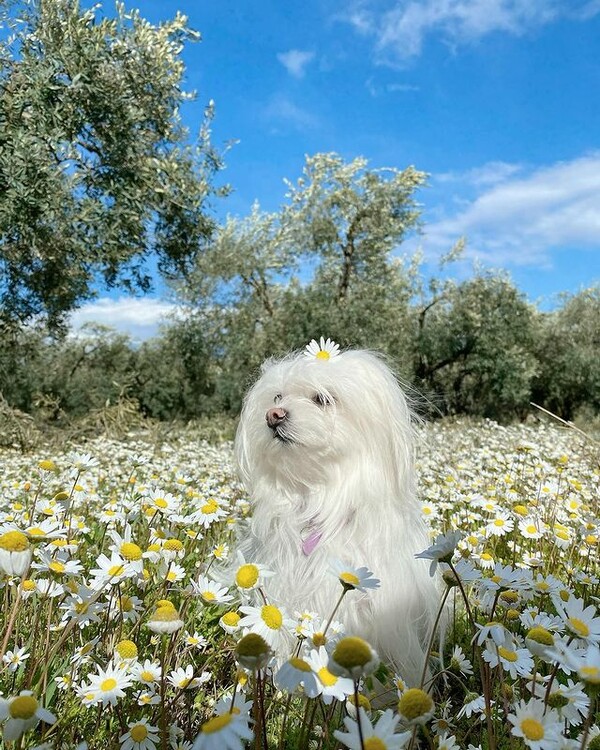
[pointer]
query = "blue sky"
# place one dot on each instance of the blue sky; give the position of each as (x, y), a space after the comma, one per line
(498, 100)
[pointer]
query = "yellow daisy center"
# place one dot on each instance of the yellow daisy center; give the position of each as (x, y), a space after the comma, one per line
(532, 729)
(173, 545)
(35, 531)
(208, 596)
(47, 465)
(160, 502)
(131, 551)
(138, 732)
(319, 639)
(321, 354)
(590, 674)
(147, 676)
(108, 684)
(212, 506)
(507, 654)
(247, 576)
(56, 566)
(28, 585)
(231, 619)
(14, 541)
(217, 723)
(271, 616)
(326, 677)
(23, 707)
(541, 635)
(115, 570)
(349, 578)
(352, 652)
(374, 743)
(300, 664)
(414, 703)
(165, 614)
(126, 649)
(579, 626)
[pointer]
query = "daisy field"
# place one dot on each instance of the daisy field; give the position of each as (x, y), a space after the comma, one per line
(129, 621)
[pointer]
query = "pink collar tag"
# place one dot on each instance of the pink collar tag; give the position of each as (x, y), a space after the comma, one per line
(309, 544)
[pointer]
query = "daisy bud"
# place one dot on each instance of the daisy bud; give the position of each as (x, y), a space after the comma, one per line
(416, 706)
(353, 657)
(253, 652)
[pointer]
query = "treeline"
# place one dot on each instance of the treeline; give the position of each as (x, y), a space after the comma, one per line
(478, 348)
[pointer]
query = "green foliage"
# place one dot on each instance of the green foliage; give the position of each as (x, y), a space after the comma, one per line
(567, 346)
(474, 348)
(96, 171)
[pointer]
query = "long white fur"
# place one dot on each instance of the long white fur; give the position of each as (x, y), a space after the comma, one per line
(347, 473)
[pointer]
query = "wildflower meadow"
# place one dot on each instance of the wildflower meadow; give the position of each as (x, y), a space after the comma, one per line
(129, 622)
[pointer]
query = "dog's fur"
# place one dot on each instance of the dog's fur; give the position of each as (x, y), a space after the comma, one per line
(337, 461)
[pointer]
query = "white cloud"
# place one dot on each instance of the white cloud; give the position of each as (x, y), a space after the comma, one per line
(401, 27)
(295, 61)
(520, 221)
(138, 317)
(281, 109)
(491, 173)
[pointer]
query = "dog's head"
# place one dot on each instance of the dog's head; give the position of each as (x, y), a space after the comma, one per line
(307, 418)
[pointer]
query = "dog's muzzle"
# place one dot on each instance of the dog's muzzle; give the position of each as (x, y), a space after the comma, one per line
(276, 418)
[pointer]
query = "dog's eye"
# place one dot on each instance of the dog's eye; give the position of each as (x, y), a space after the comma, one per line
(320, 399)
(277, 398)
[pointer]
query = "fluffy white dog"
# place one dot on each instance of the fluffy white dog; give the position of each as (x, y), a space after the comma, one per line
(325, 451)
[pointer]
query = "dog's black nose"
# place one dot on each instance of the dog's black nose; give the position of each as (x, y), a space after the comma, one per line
(275, 416)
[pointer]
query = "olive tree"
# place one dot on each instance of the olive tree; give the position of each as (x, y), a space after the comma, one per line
(99, 180)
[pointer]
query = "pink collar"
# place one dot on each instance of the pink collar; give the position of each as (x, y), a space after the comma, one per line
(311, 541)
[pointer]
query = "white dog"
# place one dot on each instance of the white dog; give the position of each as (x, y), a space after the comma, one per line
(325, 450)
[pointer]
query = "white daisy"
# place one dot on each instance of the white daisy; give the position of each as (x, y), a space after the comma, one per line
(297, 672)
(108, 685)
(14, 659)
(147, 673)
(581, 621)
(210, 592)
(538, 726)
(185, 679)
(224, 732)
(441, 550)
(22, 713)
(332, 686)
(269, 621)
(360, 579)
(323, 350)
(140, 736)
(381, 735)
